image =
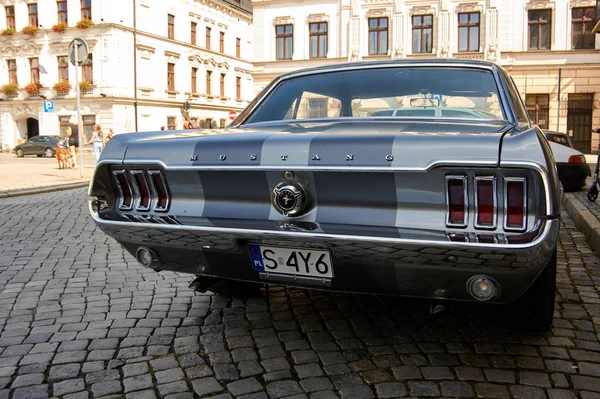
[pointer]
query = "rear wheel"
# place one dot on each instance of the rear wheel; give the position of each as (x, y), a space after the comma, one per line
(534, 311)
(20, 153)
(49, 152)
(236, 288)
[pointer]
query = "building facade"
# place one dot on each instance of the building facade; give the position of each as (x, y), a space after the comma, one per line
(146, 68)
(547, 46)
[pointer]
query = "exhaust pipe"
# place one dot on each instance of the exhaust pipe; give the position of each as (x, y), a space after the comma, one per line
(205, 283)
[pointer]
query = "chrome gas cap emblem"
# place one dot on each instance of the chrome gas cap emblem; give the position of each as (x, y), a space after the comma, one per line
(289, 199)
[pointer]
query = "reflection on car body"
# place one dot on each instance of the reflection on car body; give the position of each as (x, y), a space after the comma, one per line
(307, 188)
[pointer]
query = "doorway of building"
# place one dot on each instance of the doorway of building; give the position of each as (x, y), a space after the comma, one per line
(579, 120)
(33, 127)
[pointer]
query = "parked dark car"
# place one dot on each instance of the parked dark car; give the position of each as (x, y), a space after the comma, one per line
(40, 146)
(307, 189)
(571, 164)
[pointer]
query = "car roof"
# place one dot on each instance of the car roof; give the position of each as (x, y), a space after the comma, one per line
(396, 62)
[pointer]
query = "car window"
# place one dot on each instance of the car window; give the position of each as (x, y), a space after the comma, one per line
(314, 105)
(34, 139)
(417, 91)
(44, 139)
(557, 138)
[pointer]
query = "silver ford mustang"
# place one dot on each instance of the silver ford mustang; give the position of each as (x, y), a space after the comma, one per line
(421, 178)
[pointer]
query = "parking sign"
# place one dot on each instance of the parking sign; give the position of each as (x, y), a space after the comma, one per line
(48, 106)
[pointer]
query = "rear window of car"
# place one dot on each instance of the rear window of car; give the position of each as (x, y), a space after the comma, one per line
(558, 138)
(413, 92)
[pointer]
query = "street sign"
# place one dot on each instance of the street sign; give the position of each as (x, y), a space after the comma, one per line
(438, 96)
(232, 115)
(48, 106)
(78, 52)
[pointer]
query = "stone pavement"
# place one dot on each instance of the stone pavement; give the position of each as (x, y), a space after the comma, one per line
(30, 174)
(80, 319)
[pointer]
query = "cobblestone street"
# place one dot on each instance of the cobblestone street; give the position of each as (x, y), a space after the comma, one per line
(80, 319)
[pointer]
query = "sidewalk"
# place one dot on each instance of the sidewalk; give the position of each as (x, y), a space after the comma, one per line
(30, 174)
(585, 214)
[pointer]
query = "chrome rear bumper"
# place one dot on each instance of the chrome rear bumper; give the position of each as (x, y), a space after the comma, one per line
(374, 264)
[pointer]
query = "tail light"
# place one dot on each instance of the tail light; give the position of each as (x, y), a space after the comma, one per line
(577, 159)
(485, 202)
(457, 200)
(515, 194)
(143, 190)
(125, 191)
(162, 193)
(146, 190)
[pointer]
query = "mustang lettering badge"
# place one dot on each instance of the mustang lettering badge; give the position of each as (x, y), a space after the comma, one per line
(289, 199)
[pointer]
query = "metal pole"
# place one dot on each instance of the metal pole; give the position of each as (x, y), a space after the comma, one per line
(558, 108)
(79, 124)
(135, 93)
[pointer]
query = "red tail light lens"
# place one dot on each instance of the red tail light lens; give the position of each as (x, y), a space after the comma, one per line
(456, 201)
(577, 159)
(162, 204)
(485, 201)
(516, 200)
(126, 195)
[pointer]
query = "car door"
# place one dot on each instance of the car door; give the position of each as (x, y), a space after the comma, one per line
(28, 146)
(42, 143)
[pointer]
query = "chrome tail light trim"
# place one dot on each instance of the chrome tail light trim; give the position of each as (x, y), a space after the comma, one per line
(463, 179)
(494, 181)
(523, 225)
(119, 175)
(163, 198)
(140, 183)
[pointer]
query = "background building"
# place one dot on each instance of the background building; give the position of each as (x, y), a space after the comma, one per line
(190, 56)
(547, 46)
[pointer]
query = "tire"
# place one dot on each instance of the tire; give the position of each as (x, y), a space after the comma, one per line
(20, 153)
(235, 288)
(534, 310)
(49, 153)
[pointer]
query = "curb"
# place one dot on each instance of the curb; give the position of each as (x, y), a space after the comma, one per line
(41, 190)
(584, 220)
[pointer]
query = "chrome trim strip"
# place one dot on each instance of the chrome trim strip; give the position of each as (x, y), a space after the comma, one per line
(524, 221)
(465, 222)
(263, 95)
(277, 234)
(121, 195)
(314, 168)
(163, 184)
(138, 192)
(493, 179)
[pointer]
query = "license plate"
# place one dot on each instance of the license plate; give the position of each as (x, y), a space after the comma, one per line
(294, 261)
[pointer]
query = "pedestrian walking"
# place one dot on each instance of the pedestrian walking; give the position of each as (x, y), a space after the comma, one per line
(98, 141)
(72, 139)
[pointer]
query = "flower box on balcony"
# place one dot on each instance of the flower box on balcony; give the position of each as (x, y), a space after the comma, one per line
(84, 24)
(33, 89)
(10, 89)
(62, 88)
(8, 32)
(86, 87)
(29, 30)
(59, 28)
